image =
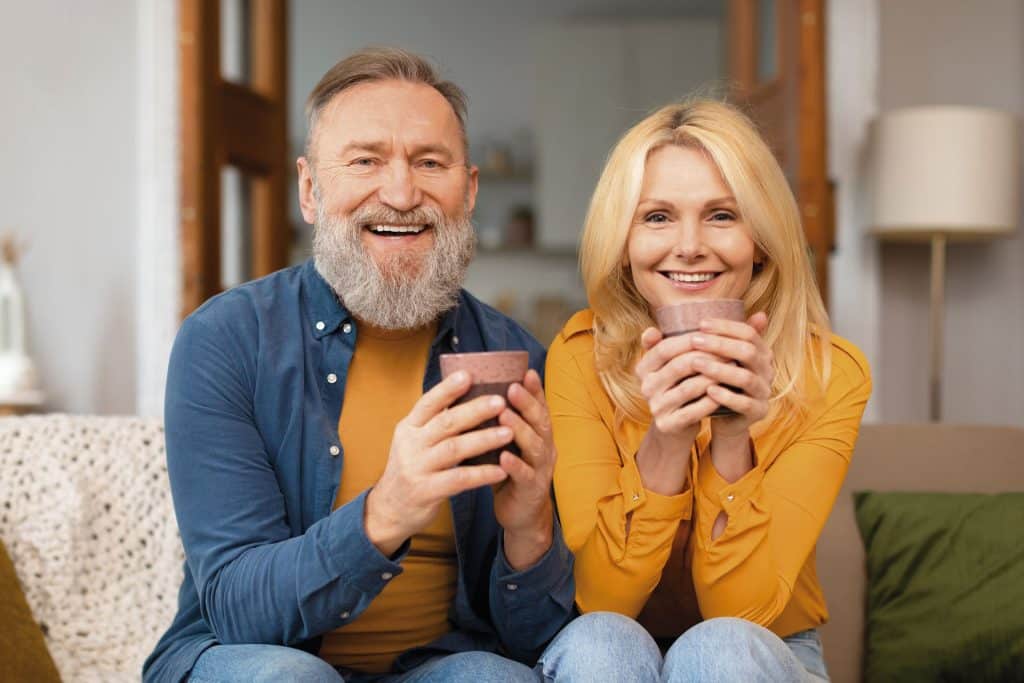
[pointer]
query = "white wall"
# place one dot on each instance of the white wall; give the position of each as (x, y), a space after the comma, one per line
(852, 92)
(489, 49)
(68, 134)
(965, 54)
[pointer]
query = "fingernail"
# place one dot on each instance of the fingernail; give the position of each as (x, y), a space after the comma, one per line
(504, 433)
(460, 376)
(698, 339)
(700, 363)
(497, 402)
(705, 324)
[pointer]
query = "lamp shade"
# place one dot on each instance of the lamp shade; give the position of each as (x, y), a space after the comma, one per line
(946, 170)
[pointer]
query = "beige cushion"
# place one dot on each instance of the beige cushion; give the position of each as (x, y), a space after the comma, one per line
(923, 457)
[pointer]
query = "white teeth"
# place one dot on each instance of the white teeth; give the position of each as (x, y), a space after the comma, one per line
(397, 229)
(691, 277)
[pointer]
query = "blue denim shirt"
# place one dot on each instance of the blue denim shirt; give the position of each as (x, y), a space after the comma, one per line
(254, 393)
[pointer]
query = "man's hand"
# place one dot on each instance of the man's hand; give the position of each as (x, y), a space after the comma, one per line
(522, 503)
(420, 473)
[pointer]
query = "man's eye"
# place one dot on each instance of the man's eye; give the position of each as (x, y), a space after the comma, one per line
(430, 164)
(364, 161)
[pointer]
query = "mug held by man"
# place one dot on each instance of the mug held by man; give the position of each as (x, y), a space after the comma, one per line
(492, 373)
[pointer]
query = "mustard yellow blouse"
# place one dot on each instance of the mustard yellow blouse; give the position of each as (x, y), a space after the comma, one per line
(631, 543)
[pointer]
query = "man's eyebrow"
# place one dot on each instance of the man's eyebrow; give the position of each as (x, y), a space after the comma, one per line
(381, 148)
(368, 146)
(431, 148)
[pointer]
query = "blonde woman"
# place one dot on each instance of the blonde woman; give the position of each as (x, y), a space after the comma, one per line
(701, 529)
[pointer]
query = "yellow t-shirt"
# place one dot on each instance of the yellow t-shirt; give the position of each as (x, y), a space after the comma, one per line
(384, 380)
(762, 566)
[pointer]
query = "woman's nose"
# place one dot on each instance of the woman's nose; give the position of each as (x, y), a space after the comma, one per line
(689, 242)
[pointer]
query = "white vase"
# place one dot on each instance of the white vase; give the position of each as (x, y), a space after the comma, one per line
(19, 381)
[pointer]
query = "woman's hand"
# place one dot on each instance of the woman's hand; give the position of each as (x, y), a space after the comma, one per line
(751, 374)
(675, 389)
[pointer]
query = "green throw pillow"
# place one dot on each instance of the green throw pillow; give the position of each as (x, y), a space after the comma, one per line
(945, 596)
(23, 653)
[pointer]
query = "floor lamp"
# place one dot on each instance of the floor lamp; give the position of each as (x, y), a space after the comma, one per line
(945, 174)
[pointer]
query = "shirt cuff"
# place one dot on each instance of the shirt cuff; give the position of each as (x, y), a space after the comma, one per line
(351, 554)
(545, 575)
(645, 504)
(715, 494)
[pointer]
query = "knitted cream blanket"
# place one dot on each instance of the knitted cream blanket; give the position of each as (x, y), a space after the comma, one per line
(86, 515)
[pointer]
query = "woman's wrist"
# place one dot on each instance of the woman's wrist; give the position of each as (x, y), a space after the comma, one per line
(732, 455)
(664, 461)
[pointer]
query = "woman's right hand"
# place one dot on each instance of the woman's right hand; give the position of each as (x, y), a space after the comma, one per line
(676, 393)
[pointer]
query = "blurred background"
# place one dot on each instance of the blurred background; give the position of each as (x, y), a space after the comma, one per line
(149, 146)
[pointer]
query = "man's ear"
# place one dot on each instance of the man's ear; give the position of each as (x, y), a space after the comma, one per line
(307, 202)
(471, 188)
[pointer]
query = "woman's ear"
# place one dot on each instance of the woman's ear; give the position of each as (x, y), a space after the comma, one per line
(760, 258)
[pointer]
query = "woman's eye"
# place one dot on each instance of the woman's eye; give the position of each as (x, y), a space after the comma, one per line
(656, 217)
(722, 216)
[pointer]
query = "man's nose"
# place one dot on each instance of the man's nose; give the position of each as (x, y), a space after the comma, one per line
(689, 240)
(398, 188)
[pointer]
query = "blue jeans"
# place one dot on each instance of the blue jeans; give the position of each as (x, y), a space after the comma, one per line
(603, 646)
(600, 646)
(276, 663)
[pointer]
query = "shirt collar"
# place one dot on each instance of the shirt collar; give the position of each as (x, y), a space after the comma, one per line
(326, 312)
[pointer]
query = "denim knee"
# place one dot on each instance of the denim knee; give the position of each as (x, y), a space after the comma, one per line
(261, 663)
(601, 646)
(729, 649)
(476, 666)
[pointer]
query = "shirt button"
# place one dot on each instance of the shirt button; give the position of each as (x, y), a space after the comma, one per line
(320, 324)
(636, 497)
(335, 450)
(512, 586)
(455, 340)
(345, 614)
(346, 328)
(386, 576)
(332, 378)
(730, 497)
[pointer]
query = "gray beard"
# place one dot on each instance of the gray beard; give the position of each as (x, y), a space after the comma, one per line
(407, 290)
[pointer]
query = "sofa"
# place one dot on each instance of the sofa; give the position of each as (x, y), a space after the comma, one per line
(922, 457)
(86, 516)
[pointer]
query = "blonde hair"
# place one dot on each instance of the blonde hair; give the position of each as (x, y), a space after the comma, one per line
(783, 286)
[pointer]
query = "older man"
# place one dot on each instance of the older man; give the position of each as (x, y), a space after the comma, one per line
(313, 448)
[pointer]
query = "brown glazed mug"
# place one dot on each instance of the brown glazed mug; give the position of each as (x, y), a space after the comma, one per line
(685, 317)
(491, 373)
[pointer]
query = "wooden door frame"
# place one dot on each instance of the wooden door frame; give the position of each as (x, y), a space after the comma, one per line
(804, 147)
(224, 123)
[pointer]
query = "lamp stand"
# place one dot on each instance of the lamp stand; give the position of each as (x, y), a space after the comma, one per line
(938, 295)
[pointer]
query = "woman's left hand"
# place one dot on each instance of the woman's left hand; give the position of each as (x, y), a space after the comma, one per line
(752, 373)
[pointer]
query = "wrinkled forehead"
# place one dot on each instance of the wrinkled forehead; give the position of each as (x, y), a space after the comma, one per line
(392, 116)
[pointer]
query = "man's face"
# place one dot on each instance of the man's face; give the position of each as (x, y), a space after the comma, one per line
(390, 192)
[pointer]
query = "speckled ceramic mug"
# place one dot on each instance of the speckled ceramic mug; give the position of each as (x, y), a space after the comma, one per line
(683, 318)
(491, 372)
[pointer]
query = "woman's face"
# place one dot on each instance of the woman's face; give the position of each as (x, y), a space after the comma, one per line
(688, 239)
